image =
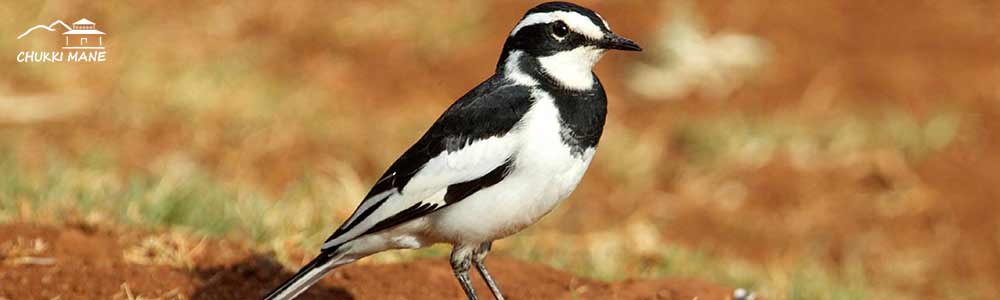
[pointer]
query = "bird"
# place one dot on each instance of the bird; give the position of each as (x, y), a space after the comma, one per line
(497, 160)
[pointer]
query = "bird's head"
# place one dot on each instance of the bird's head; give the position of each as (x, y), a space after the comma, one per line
(559, 42)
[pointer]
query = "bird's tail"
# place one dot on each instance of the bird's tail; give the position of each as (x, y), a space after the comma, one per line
(307, 276)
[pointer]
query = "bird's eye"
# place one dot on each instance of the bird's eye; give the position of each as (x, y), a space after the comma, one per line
(559, 29)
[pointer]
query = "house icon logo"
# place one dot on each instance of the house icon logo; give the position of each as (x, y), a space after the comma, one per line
(84, 35)
(81, 42)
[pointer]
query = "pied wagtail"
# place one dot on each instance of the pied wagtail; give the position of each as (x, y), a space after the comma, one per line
(500, 158)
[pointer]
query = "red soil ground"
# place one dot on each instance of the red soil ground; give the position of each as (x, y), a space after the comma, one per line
(82, 262)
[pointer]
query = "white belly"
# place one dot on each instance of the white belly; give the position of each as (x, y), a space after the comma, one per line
(544, 173)
(521, 199)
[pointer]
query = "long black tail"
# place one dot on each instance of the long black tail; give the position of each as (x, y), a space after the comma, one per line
(306, 277)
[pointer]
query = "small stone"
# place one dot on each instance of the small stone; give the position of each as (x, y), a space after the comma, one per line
(743, 294)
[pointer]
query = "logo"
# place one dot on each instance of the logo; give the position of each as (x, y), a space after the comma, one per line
(82, 42)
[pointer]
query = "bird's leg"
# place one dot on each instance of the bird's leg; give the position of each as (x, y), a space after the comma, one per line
(460, 264)
(478, 257)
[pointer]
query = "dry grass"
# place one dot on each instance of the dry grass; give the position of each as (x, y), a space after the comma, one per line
(22, 251)
(169, 249)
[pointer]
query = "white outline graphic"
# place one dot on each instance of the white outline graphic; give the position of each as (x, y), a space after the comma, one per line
(81, 42)
(49, 28)
(84, 27)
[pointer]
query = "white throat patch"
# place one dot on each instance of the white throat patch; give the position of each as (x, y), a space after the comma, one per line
(573, 69)
(575, 21)
(513, 71)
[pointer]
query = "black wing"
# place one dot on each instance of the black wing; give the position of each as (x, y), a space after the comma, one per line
(490, 110)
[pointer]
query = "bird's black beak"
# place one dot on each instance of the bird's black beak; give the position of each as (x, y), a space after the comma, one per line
(614, 41)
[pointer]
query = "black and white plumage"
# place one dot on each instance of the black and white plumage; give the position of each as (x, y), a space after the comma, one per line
(497, 160)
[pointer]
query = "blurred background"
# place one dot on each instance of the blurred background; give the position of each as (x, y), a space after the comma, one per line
(805, 149)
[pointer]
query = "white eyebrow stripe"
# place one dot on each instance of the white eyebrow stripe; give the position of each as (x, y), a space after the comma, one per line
(606, 25)
(576, 22)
